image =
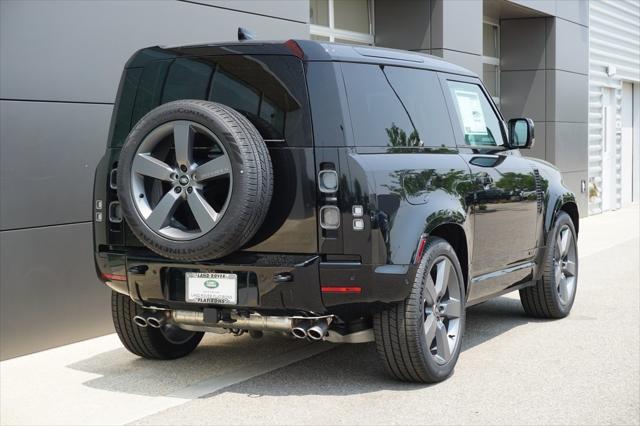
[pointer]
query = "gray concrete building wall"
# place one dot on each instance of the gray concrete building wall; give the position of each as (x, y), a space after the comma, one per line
(544, 76)
(60, 64)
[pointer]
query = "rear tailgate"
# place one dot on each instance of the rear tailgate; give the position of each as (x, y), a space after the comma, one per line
(270, 90)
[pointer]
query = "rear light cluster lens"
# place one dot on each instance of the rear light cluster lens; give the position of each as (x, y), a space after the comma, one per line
(328, 180)
(330, 217)
(113, 178)
(328, 184)
(115, 213)
(114, 277)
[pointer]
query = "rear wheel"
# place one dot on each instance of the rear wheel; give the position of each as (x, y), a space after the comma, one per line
(166, 342)
(419, 339)
(554, 293)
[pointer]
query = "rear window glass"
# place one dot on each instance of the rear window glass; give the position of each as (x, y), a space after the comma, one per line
(269, 90)
(377, 115)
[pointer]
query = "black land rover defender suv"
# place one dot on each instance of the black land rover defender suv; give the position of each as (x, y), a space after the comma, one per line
(325, 191)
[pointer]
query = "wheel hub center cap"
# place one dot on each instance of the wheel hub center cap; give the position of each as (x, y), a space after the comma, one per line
(184, 180)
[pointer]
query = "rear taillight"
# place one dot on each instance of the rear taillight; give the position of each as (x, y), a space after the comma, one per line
(328, 181)
(113, 178)
(113, 277)
(330, 217)
(328, 184)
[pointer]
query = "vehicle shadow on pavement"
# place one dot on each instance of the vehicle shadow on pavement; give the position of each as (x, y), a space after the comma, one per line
(346, 369)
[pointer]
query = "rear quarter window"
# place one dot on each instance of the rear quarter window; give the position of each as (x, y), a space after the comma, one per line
(377, 115)
(421, 94)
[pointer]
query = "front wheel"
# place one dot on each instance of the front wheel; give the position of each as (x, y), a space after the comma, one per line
(552, 296)
(166, 342)
(419, 339)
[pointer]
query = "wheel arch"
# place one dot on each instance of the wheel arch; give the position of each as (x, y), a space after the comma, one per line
(565, 202)
(571, 208)
(454, 234)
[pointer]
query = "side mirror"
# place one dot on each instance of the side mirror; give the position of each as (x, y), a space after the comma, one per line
(521, 134)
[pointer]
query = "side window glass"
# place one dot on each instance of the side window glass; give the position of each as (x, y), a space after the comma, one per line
(480, 124)
(377, 116)
(422, 96)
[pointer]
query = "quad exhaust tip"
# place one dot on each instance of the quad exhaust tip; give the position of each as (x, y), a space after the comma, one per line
(318, 331)
(140, 321)
(300, 330)
(153, 320)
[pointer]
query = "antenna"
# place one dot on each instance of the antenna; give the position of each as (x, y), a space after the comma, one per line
(245, 34)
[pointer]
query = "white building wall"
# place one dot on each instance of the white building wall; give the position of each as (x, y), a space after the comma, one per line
(614, 32)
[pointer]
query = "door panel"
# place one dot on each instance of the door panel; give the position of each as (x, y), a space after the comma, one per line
(505, 211)
(505, 196)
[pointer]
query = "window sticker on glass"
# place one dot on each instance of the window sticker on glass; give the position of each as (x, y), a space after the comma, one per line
(471, 112)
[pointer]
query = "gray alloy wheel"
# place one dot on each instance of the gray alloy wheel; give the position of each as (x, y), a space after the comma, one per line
(195, 180)
(564, 263)
(442, 308)
(419, 339)
(553, 294)
(187, 179)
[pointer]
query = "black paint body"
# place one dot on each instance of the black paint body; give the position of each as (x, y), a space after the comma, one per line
(413, 176)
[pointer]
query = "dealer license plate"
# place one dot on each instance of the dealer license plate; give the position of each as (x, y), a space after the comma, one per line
(204, 287)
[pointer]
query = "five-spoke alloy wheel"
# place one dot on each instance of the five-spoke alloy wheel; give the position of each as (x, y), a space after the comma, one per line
(419, 339)
(194, 170)
(554, 293)
(195, 180)
(442, 306)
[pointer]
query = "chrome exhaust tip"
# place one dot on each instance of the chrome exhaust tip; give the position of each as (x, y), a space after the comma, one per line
(140, 321)
(300, 330)
(156, 319)
(318, 331)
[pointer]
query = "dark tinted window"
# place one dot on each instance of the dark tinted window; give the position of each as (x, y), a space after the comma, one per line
(150, 88)
(121, 121)
(187, 79)
(377, 116)
(269, 90)
(422, 96)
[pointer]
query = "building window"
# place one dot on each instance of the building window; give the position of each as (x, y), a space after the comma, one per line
(342, 21)
(491, 58)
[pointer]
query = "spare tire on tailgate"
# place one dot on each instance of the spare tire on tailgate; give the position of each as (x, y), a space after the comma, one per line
(194, 180)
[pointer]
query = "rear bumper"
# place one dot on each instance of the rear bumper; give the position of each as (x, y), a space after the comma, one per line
(266, 282)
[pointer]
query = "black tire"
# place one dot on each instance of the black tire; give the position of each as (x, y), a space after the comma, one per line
(543, 300)
(147, 342)
(400, 329)
(251, 188)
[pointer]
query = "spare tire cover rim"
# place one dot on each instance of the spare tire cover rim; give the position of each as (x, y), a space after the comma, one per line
(184, 182)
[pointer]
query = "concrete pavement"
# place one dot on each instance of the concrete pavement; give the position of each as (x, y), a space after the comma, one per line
(584, 369)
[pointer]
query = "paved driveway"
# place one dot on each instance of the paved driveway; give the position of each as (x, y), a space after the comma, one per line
(513, 370)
